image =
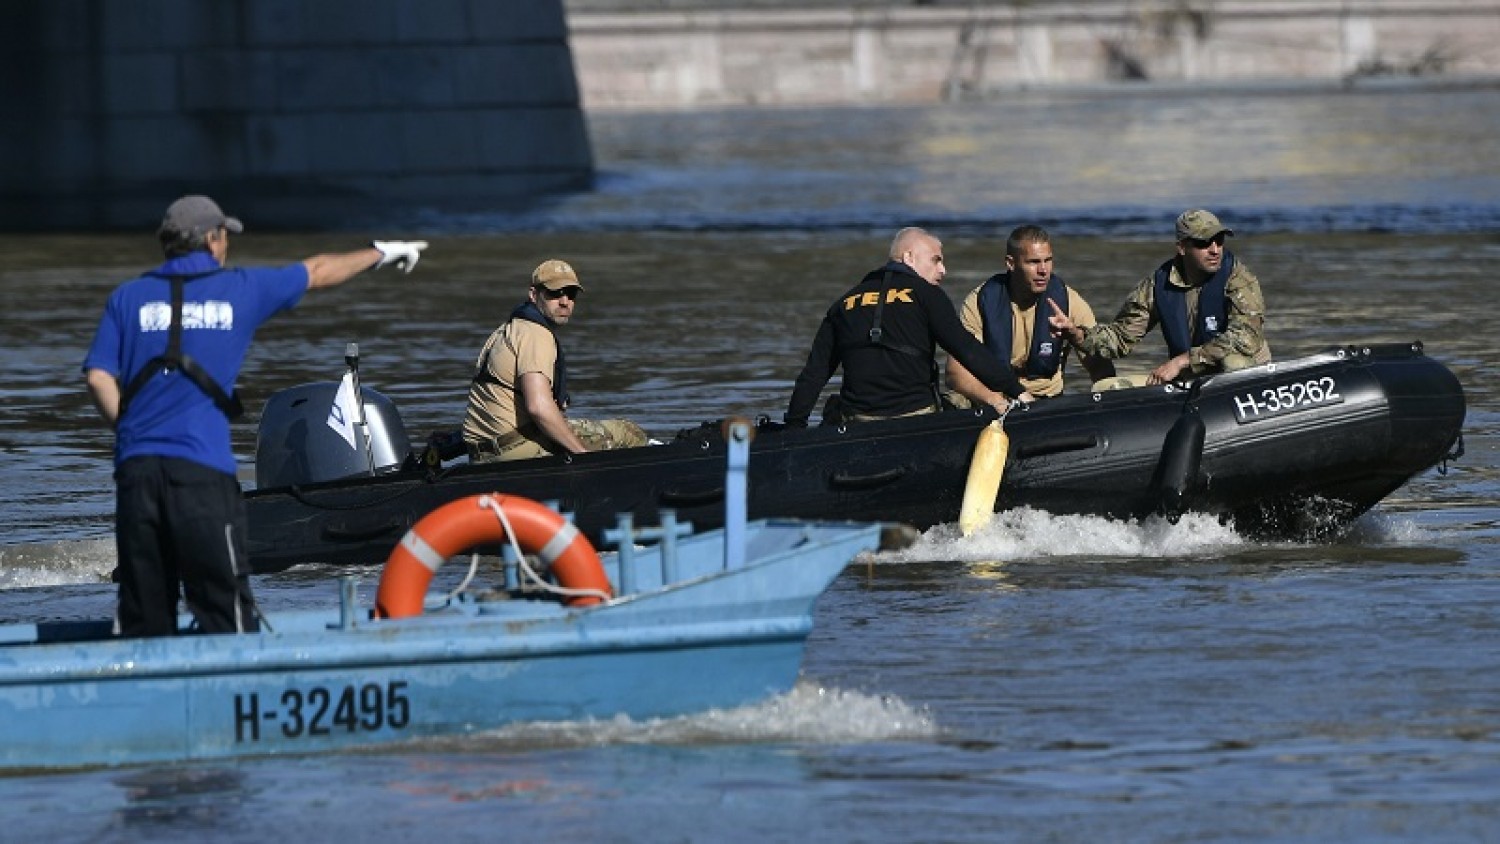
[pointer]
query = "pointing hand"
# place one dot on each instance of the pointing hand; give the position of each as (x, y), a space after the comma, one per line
(1061, 324)
(403, 253)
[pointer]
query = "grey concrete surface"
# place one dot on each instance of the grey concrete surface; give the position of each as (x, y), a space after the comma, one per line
(679, 54)
(292, 113)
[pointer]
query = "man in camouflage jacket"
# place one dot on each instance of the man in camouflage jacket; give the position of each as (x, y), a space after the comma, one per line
(1208, 304)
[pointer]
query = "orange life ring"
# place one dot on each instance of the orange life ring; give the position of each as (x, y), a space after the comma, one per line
(459, 525)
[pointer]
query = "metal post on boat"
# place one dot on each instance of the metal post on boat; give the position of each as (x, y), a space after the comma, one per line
(624, 538)
(510, 561)
(347, 598)
(669, 531)
(509, 564)
(361, 423)
(735, 499)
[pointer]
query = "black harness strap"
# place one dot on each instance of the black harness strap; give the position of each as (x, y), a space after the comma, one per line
(877, 339)
(174, 358)
(531, 313)
(877, 334)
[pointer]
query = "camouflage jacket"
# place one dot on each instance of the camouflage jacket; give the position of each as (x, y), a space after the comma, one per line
(1243, 341)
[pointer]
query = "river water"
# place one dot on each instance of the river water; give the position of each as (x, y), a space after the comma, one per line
(1047, 679)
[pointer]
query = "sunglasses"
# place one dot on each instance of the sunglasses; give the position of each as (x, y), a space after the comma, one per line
(1216, 240)
(570, 292)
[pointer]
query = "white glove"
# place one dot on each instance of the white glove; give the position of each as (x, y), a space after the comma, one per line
(403, 253)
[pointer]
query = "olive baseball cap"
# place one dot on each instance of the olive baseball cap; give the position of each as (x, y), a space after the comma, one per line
(555, 275)
(1200, 225)
(196, 214)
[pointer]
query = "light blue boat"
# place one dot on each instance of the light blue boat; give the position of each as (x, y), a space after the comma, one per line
(717, 619)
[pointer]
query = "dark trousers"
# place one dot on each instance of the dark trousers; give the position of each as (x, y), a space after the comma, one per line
(177, 521)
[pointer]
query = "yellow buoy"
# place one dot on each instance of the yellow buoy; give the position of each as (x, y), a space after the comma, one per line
(985, 470)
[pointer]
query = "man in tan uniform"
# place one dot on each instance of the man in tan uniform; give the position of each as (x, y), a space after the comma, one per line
(1007, 313)
(1209, 306)
(519, 394)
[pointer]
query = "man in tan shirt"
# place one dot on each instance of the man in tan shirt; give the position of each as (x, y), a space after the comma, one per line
(518, 397)
(1009, 314)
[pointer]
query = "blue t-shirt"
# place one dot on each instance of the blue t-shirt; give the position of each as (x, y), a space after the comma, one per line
(171, 416)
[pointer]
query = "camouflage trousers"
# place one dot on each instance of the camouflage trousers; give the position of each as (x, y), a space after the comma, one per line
(1126, 382)
(596, 434)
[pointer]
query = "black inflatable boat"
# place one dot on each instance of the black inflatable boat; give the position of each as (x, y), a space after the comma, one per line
(1296, 449)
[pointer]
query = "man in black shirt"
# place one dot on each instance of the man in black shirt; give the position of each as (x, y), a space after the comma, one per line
(884, 331)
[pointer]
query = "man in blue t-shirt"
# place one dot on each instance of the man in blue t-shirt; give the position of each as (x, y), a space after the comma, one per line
(161, 371)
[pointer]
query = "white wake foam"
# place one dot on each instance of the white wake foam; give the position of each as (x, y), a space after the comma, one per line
(56, 564)
(1025, 533)
(808, 714)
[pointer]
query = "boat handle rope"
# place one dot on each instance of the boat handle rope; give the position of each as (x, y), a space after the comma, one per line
(297, 492)
(468, 578)
(430, 476)
(489, 503)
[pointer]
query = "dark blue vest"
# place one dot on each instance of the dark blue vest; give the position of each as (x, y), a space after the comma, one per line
(1046, 352)
(1171, 308)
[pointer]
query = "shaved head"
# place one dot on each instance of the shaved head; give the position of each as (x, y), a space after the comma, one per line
(921, 251)
(906, 239)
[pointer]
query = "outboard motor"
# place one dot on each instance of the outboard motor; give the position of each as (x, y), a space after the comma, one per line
(327, 431)
(301, 442)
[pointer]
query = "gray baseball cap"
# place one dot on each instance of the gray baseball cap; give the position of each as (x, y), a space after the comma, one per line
(196, 214)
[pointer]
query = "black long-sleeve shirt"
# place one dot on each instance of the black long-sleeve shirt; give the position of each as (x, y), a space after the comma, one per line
(896, 374)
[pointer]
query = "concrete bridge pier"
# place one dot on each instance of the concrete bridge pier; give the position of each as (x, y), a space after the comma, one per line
(294, 114)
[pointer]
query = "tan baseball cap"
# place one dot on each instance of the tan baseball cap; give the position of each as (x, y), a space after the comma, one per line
(555, 275)
(1200, 225)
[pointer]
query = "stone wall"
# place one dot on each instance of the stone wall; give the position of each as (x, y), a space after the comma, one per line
(900, 52)
(290, 112)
